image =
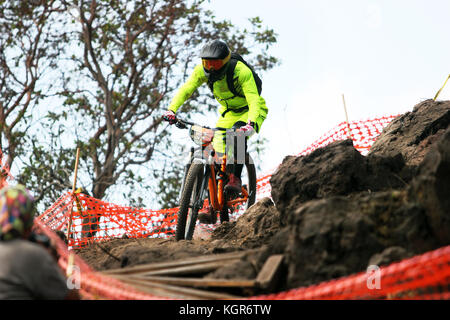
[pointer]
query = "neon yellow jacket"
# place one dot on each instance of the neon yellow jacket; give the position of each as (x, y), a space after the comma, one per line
(244, 82)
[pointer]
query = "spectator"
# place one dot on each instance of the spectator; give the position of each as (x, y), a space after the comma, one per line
(27, 269)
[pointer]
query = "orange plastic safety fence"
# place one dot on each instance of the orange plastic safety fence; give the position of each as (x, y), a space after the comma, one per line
(363, 133)
(423, 277)
(96, 220)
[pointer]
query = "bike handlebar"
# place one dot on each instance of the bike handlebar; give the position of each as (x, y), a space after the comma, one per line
(183, 124)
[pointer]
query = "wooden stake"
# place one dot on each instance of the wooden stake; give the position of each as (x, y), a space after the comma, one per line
(437, 93)
(346, 118)
(76, 170)
(73, 190)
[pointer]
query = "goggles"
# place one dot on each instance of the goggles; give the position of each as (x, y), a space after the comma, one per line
(215, 64)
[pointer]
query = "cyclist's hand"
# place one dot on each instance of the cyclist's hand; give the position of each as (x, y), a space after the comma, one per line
(169, 116)
(248, 129)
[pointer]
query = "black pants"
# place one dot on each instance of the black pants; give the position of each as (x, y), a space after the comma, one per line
(232, 166)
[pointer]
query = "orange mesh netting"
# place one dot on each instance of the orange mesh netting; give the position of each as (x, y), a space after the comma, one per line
(425, 276)
(96, 220)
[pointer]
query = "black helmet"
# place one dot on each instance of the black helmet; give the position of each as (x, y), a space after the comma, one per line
(216, 49)
(215, 56)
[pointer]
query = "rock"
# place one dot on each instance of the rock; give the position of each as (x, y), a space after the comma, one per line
(413, 133)
(431, 188)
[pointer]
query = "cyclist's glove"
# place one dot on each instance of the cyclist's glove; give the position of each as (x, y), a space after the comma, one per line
(169, 116)
(248, 129)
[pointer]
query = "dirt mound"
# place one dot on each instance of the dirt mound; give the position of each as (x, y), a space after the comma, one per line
(432, 185)
(337, 169)
(335, 212)
(413, 133)
(253, 229)
(333, 228)
(337, 236)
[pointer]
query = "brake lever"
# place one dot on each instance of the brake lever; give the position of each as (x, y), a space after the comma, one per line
(180, 125)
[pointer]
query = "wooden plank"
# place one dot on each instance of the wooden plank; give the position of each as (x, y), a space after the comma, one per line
(200, 268)
(267, 277)
(144, 268)
(171, 291)
(197, 282)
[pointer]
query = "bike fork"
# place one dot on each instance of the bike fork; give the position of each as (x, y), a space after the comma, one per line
(199, 202)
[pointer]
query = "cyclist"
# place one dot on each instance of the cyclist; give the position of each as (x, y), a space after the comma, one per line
(245, 112)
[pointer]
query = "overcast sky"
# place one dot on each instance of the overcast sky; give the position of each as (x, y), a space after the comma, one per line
(385, 56)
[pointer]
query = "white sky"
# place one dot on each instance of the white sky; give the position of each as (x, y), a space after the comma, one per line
(385, 56)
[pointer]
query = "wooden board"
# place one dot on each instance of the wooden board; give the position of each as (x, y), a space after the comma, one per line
(168, 279)
(198, 282)
(146, 268)
(267, 277)
(199, 268)
(171, 291)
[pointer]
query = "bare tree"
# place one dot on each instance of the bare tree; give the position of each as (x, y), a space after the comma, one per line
(118, 64)
(129, 57)
(27, 50)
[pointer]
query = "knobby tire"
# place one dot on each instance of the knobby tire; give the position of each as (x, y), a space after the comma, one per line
(188, 198)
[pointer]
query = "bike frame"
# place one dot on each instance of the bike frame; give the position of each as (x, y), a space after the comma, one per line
(215, 186)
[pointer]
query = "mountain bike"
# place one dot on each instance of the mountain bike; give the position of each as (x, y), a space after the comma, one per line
(204, 179)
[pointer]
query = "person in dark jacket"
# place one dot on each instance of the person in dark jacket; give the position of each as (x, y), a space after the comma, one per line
(28, 271)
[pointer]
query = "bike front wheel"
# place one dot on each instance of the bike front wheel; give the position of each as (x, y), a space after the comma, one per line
(187, 214)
